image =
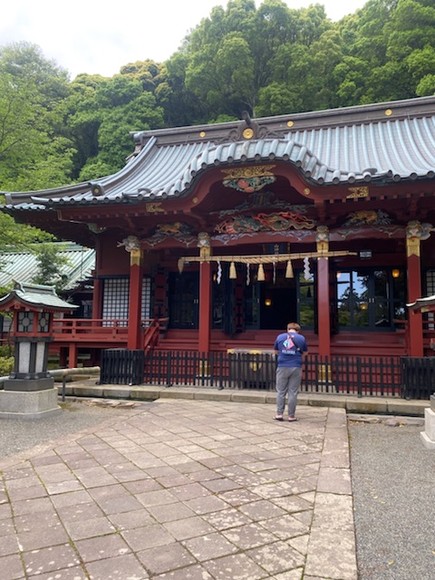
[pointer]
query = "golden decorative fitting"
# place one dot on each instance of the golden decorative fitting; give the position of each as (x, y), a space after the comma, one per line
(322, 239)
(413, 247)
(307, 191)
(246, 172)
(290, 123)
(388, 112)
(195, 200)
(135, 257)
(248, 133)
(154, 208)
(322, 248)
(204, 245)
(357, 192)
(202, 134)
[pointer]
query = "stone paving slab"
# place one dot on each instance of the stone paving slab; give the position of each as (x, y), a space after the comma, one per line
(352, 403)
(184, 489)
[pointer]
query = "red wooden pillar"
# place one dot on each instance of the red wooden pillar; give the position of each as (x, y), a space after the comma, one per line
(72, 355)
(415, 320)
(323, 298)
(323, 307)
(96, 298)
(204, 295)
(204, 307)
(135, 331)
(97, 294)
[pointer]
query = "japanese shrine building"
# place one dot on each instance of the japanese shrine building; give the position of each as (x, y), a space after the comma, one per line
(229, 231)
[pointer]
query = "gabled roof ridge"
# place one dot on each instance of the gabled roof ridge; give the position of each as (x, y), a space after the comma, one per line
(355, 114)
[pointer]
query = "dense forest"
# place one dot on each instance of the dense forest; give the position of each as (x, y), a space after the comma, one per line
(268, 60)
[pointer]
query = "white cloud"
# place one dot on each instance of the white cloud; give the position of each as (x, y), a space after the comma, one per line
(96, 36)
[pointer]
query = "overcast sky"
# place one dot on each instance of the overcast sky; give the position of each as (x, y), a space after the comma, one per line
(100, 36)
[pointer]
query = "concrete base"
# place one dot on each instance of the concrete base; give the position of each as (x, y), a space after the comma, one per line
(428, 435)
(28, 404)
(19, 384)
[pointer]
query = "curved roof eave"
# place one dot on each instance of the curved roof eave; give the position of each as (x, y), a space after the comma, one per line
(170, 172)
(336, 147)
(40, 199)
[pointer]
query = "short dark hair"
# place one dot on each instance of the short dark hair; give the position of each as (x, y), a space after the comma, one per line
(293, 326)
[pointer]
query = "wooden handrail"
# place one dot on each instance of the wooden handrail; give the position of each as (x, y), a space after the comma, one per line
(94, 329)
(151, 336)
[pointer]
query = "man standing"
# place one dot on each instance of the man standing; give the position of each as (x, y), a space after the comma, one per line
(290, 347)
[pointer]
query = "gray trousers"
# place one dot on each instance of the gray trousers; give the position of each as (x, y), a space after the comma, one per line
(288, 381)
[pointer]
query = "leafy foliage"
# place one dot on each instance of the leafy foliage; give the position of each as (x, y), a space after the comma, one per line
(35, 152)
(50, 262)
(14, 236)
(6, 361)
(268, 60)
(102, 113)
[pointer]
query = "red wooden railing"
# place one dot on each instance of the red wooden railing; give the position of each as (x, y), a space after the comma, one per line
(152, 333)
(89, 329)
(97, 330)
(97, 334)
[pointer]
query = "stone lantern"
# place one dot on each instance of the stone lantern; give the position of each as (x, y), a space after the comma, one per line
(428, 435)
(29, 391)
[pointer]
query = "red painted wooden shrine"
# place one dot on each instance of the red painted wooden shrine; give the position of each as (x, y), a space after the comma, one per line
(214, 237)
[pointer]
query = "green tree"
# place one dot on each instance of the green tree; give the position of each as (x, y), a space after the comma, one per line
(35, 151)
(102, 114)
(15, 236)
(393, 43)
(82, 117)
(278, 99)
(238, 58)
(148, 72)
(181, 106)
(220, 65)
(50, 264)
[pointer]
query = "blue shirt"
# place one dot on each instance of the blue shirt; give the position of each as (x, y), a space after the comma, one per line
(290, 346)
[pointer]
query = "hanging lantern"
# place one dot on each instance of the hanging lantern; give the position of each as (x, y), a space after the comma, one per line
(260, 274)
(233, 273)
(289, 270)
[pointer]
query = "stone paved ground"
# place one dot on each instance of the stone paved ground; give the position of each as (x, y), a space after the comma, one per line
(183, 490)
(393, 477)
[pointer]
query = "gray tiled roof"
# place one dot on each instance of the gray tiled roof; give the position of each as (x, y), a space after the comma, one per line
(372, 143)
(38, 296)
(426, 304)
(22, 266)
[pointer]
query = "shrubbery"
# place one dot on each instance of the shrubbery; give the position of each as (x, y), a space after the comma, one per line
(6, 360)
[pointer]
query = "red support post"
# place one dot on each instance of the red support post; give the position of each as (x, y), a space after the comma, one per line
(323, 307)
(96, 298)
(97, 294)
(135, 332)
(415, 325)
(204, 307)
(72, 355)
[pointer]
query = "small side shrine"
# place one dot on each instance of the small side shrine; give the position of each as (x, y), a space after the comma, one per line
(29, 391)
